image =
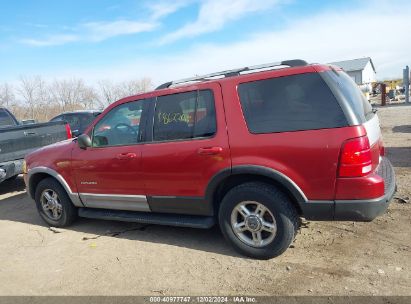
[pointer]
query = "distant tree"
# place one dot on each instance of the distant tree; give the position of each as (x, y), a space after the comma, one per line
(108, 92)
(28, 90)
(37, 99)
(111, 92)
(6, 95)
(73, 94)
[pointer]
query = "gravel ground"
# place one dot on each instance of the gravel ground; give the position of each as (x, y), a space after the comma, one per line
(112, 258)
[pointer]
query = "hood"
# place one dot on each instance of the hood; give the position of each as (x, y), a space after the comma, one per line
(50, 154)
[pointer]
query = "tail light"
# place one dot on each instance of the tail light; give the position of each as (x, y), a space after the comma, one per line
(68, 132)
(381, 145)
(355, 158)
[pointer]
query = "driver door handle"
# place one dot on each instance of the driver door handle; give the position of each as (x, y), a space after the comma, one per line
(125, 156)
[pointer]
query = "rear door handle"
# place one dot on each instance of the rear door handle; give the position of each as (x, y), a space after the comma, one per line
(125, 156)
(210, 150)
(27, 133)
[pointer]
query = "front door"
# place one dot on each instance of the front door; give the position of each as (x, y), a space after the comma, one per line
(109, 174)
(188, 146)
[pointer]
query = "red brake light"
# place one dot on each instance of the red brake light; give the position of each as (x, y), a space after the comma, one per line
(381, 145)
(68, 132)
(355, 158)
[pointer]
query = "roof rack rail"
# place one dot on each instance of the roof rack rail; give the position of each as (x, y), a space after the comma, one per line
(235, 72)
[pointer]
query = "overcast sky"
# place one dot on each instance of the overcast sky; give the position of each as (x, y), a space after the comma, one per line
(165, 40)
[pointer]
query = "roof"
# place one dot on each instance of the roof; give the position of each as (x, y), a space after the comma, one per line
(354, 64)
(82, 112)
(236, 72)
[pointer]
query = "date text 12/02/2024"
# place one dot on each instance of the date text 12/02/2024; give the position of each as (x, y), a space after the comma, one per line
(203, 299)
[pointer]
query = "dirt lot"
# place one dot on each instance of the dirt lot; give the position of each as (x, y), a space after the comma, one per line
(110, 258)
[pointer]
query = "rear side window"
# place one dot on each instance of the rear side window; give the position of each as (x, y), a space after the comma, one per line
(184, 116)
(5, 119)
(74, 121)
(58, 118)
(353, 95)
(290, 103)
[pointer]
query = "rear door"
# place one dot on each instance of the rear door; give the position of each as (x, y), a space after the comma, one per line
(188, 146)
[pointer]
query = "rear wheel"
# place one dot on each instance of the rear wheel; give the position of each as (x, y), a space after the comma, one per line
(258, 220)
(53, 204)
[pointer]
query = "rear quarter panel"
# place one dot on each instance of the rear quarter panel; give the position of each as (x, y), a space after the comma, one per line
(309, 158)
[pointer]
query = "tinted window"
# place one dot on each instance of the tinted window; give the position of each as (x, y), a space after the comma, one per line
(5, 119)
(58, 118)
(73, 120)
(120, 126)
(185, 115)
(79, 121)
(290, 103)
(353, 95)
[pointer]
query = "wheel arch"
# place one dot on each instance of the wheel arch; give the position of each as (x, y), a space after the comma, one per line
(36, 175)
(226, 179)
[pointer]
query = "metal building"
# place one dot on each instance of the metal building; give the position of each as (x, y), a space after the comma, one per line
(361, 70)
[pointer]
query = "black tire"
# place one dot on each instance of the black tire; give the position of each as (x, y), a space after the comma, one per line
(280, 206)
(68, 211)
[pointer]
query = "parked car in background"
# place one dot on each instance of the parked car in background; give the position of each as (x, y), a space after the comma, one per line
(17, 140)
(253, 149)
(78, 120)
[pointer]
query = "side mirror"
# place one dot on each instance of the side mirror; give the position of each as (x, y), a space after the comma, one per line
(84, 141)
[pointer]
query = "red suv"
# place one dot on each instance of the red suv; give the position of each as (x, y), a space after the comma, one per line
(253, 149)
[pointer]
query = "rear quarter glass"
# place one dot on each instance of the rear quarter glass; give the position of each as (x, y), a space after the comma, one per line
(6, 119)
(353, 102)
(290, 103)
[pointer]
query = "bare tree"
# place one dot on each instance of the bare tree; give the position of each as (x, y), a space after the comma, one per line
(28, 90)
(43, 100)
(73, 94)
(6, 95)
(133, 87)
(89, 98)
(110, 92)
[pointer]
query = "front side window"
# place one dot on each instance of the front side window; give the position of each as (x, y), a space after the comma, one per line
(289, 103)
(120, 127)
(184, 116)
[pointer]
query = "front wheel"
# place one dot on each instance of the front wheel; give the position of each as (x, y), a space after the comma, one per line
(53, 204)
(258, 220)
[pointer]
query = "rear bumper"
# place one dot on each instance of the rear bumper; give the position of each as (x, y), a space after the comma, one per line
(355, 210)
(10, 169)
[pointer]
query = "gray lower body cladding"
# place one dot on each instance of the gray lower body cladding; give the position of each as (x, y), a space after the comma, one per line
(354, 210)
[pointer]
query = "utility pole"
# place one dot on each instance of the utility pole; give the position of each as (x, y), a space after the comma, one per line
(406, 81)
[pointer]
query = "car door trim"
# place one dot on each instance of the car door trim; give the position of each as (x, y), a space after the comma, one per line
(115, 201)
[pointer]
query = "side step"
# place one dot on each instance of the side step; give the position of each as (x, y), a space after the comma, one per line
(178, 220)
